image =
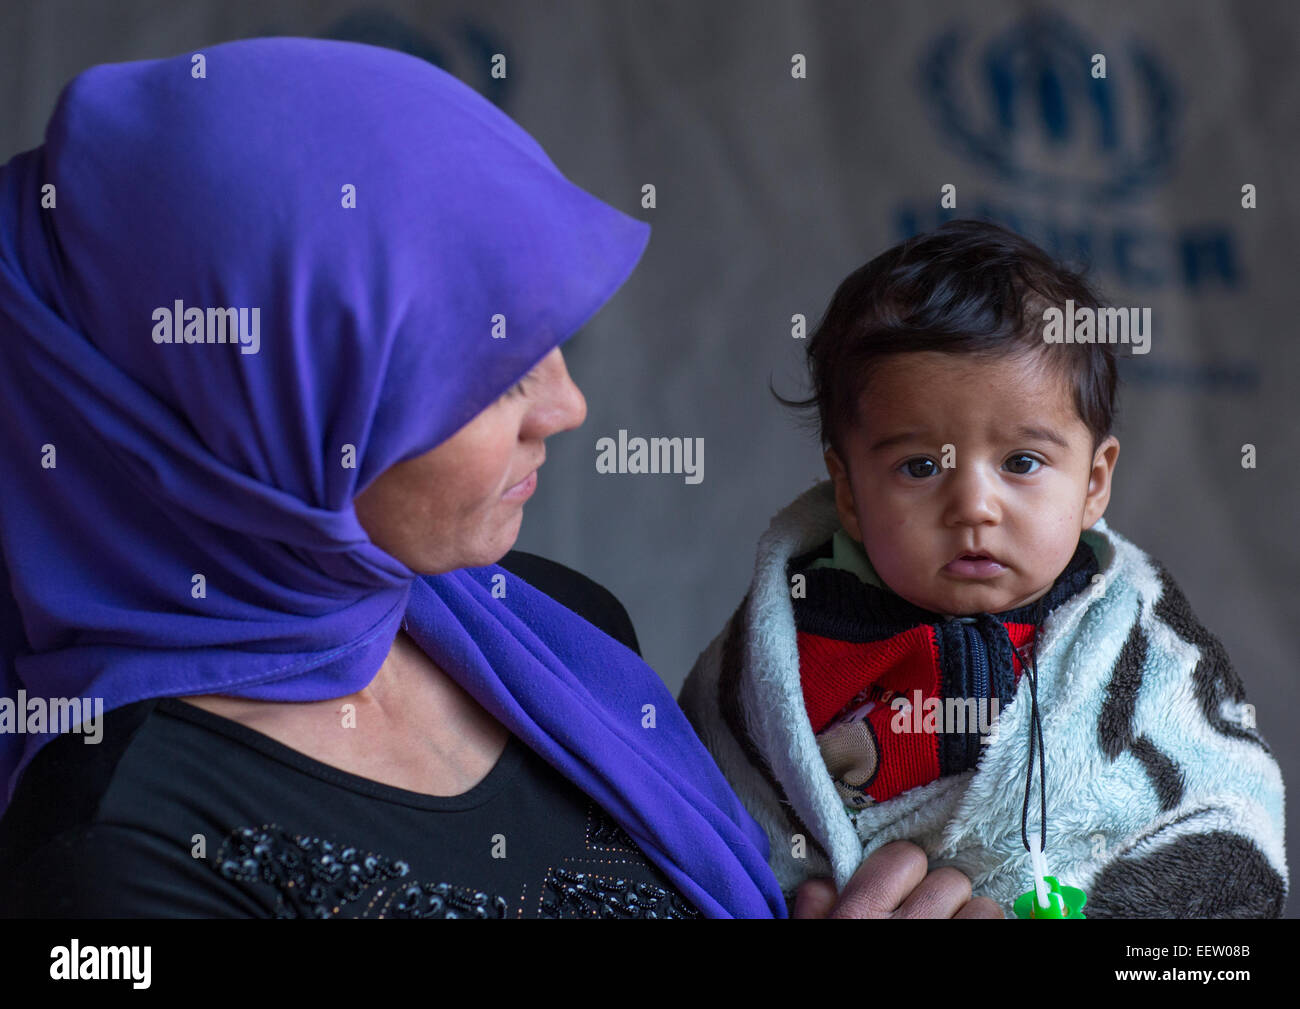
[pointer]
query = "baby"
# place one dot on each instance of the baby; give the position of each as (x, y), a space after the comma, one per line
(946, 643)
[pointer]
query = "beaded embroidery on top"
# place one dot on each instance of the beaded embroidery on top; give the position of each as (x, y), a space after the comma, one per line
(603, 834)
(316, 878)
(570, 894)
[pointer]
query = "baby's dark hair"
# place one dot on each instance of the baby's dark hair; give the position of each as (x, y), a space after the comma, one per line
(967, 287)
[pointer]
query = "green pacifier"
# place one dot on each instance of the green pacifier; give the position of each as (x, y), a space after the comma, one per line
(1048, 898)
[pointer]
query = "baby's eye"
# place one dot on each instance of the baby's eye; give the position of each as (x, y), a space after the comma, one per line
(1016, 460)
(911, 465)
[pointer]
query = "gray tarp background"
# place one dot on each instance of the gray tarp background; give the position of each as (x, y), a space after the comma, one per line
(770, 190)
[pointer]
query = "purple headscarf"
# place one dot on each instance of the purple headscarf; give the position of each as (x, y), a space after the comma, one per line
(383, 218)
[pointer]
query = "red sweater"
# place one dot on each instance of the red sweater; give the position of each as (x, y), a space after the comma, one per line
(886, 684)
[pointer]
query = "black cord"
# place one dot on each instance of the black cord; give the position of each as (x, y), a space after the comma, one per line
(1030, 670)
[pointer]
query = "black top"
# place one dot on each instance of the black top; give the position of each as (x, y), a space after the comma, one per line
(180, 812)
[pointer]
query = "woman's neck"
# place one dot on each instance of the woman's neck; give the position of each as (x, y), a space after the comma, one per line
(412, 726)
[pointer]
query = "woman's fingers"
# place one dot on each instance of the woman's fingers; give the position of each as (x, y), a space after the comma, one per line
(980, 907)
(882, 882)
(894, 882)
(814, 898)
(941, 894)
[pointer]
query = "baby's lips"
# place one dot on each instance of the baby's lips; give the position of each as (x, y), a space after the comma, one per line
(977, 555)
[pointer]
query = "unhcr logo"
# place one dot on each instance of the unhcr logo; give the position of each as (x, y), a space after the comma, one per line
(1032, 106)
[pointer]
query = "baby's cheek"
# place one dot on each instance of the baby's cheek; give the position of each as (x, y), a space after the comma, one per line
(887, 557)
(1052, 556)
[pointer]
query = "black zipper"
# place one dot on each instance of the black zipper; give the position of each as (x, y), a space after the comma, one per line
(977, 653)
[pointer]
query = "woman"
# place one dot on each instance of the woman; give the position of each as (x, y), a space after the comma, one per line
(281, 325)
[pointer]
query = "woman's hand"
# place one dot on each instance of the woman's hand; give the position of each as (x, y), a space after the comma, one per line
(893, 883)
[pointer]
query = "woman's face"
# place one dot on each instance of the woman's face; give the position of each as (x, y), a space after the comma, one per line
(461, 504)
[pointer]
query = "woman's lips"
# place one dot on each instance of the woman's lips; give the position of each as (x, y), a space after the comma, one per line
(523, 489)
(966, 567)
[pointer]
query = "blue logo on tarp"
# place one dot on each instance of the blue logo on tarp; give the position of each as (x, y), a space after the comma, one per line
(1069, 160)
(1027, 107)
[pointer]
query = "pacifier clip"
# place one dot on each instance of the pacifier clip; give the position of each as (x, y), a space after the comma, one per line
(1048, 898)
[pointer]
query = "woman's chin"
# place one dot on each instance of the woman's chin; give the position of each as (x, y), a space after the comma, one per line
(480, 553)
(491, 553)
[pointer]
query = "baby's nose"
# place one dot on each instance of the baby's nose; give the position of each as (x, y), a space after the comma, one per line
(971, 499)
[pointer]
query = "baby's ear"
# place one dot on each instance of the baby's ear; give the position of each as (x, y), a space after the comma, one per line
(1099, 481)
(843, 494)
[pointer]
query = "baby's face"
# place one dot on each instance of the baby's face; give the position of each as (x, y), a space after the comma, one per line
(1022, 485)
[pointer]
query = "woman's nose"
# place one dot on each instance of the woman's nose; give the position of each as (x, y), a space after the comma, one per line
(575, 403)
(566, 406)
